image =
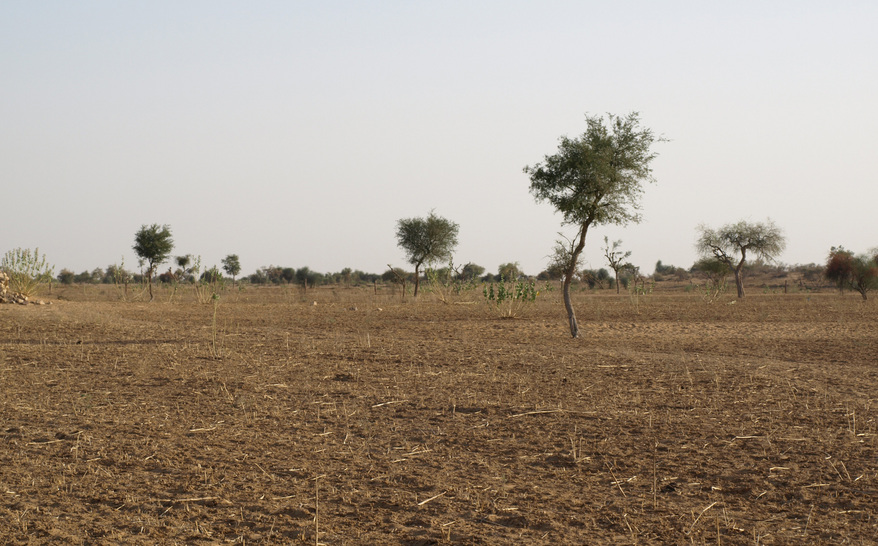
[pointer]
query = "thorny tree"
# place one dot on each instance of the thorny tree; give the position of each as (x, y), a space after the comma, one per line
(593, 180)
(731, 243)
(153, 244)
(426, 240)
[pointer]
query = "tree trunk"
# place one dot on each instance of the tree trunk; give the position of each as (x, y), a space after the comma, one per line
(571, 315)
(739, 282)
(568, 278)
(149, 273)
(417, 278)
(739, 274)
(618, 289)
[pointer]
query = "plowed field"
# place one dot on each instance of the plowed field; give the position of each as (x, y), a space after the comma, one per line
(266, 419)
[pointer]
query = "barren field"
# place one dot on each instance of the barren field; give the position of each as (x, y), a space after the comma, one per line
(265, 419)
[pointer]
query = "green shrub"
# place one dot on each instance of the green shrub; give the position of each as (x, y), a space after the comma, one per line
(27, 271)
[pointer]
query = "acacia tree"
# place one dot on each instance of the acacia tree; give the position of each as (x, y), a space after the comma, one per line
(595, 179)
(153, 244)
(232, 265)
(859, 273)
(426, 240)
(731, 243)
(616, 258)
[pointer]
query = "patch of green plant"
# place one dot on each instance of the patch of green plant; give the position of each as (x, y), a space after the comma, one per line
(509, 299)
(713, 289)
(642, 287)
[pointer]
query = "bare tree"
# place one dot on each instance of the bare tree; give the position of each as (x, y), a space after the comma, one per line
(616, 259)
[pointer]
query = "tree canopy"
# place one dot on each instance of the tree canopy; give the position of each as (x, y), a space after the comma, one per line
(426, 240)
(731, 243)
(595, 179)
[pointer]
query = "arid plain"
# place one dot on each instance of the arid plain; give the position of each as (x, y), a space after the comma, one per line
(265, 419)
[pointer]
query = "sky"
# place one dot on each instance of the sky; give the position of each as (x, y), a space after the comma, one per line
(299, 133)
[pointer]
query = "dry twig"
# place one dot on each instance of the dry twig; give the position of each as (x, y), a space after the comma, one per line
(425, 501)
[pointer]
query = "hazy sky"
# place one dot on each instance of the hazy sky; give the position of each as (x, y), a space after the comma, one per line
(297, 133)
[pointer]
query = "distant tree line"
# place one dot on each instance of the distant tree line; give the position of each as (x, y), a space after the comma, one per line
(602, 278)
(723, 252)
(274, 274)
(95, 276)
